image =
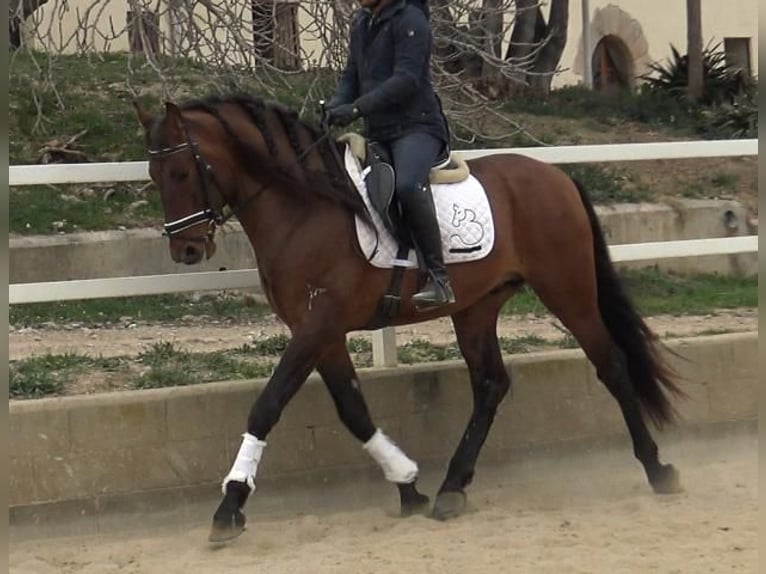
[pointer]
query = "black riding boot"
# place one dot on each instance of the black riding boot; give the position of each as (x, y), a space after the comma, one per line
(424, 226)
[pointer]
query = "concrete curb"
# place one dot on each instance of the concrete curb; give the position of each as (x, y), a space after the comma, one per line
(87, 457)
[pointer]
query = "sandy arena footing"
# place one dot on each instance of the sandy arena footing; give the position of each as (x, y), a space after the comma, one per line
(583, 511)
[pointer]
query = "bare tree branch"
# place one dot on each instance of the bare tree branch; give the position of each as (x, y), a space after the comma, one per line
(482, 50)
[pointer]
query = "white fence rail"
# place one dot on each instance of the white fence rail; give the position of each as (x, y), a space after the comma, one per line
(19, 293)
(138, 170)
(384, 345)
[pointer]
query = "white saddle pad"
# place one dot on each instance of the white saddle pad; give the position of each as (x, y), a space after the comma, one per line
(465, 220)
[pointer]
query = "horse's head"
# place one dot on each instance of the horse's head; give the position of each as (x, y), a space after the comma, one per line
(188, 165)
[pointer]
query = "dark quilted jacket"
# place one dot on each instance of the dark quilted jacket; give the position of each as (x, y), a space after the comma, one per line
(388, 73)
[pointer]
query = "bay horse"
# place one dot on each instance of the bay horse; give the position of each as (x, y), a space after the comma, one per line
(281, 177)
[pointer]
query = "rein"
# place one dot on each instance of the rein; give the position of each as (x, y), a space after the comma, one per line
(205, 172)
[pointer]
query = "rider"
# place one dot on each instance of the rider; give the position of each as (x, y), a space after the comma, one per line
(387, 82)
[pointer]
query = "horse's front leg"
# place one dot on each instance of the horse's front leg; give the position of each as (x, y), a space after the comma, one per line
(338, 373)
(477, 336)
(293, 369)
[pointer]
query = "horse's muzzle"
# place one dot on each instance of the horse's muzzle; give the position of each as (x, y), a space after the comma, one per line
(192, 251)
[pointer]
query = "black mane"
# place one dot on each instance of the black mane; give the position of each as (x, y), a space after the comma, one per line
(332, 183)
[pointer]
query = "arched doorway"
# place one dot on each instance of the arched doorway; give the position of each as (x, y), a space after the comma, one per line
(613, 66)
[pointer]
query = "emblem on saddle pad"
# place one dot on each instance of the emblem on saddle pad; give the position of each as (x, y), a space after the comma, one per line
(462, 208)
(467, 231)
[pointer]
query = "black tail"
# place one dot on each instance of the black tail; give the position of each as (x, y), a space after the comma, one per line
(648, 371)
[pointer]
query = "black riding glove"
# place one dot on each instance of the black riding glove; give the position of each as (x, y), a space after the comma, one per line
(342, 115)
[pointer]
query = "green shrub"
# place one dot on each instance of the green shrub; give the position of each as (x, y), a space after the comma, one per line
(642, 105)
(738, 119)
(721, 83)
(606, 185)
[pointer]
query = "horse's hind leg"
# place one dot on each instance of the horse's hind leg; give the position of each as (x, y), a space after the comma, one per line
(339, 375)
(476, 331)
(612, 370)
(576, 305)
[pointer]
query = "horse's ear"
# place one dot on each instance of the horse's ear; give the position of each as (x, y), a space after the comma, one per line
(145, 118)
(173, 112)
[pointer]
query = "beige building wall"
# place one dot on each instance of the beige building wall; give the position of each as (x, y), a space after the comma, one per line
(72, 26)
(649, 27)
(63, 26)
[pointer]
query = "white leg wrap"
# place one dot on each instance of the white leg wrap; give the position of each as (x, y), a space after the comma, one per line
(246, 464)
(397, 467)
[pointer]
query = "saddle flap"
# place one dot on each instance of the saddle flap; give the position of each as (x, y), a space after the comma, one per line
(380, 181)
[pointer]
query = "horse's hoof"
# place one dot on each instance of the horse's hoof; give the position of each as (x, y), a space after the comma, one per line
(449, 504)
(417, 505)
(225, 530)
(667, 480)
(412, 502)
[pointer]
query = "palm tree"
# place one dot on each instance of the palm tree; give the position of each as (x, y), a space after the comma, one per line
(694, 48)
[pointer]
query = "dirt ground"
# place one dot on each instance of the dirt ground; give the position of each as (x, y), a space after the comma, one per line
(588, 513)
(131, 339)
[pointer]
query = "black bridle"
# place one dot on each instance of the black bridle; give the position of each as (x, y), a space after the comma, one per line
(206, 175)
(209, 213)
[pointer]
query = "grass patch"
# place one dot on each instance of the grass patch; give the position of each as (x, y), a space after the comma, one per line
(606, 185)
(65, 209)
(169, 367)
(41, 376)
(657, 293)
(360, 349)
(695, 190)
(359, 345)
(165, 365)
(709, 332)
(525, 302)
(150, 309)
(274, 345)
(422, 351)
(162, 365)
(48, 374)
(524, 344)
(90, 92)
(725, 180)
